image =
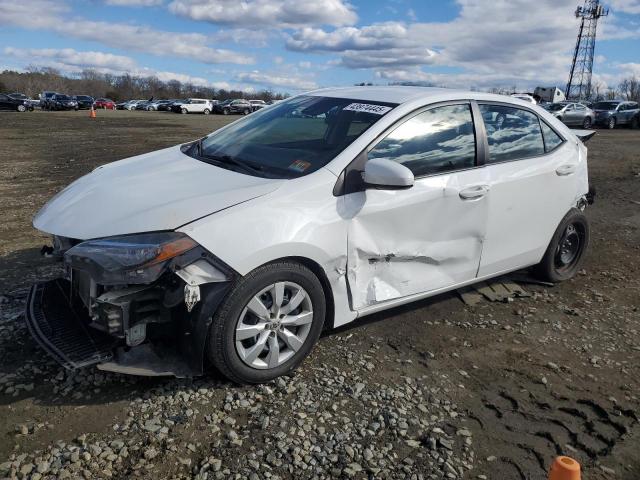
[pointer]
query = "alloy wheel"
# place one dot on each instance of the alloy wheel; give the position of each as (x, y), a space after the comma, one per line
(273, 325)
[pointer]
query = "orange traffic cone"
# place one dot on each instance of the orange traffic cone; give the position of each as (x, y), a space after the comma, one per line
(564, 468)
(93, 113)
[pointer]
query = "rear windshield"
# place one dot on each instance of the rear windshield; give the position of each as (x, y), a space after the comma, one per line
(605, 105)
(294, 137)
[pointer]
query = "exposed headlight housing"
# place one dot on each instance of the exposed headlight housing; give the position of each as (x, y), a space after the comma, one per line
(129, 259)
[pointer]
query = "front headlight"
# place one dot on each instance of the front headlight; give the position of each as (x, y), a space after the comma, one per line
(139, 258)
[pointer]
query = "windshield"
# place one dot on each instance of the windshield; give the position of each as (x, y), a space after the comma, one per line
(605, 106)
(555, 107)
(293, 138)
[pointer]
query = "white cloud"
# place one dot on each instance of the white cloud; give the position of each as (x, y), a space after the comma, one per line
(134, 3)
(72, 59)
(625, 6)
(258, 14)
(280, 80)
(128, 37)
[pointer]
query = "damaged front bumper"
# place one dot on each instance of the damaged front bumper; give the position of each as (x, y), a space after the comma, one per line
(151, 329)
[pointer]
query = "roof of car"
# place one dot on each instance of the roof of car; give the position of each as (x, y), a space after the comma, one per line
(392, 94)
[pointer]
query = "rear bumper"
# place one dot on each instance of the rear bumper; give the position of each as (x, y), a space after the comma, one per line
(61, 328)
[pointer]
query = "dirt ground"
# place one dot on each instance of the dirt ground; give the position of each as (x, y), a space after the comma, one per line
(520, 382)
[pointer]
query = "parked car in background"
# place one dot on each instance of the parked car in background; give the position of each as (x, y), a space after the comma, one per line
(155, 104)
(105, 103)
(257, 104)
(30, 102)
(572, 113)
(142, 105)
(46, 100)
(238, 249)
(166, 107)
(238, 106)
(193, 105)
(525, 97)
(61, 101)
(8, 102)
(617, 112)
(128, 105)
(85, 102)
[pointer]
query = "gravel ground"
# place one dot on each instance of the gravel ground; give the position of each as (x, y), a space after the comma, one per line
(433, 390)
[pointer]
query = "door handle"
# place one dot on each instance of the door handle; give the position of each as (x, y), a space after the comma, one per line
(566, 169)
(474, 193)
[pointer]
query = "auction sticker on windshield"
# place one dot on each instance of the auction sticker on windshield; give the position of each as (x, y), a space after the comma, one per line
(368, 108)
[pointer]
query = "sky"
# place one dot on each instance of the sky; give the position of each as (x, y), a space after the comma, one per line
(297, 45)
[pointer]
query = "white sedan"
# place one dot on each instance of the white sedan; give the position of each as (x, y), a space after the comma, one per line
(238, 249)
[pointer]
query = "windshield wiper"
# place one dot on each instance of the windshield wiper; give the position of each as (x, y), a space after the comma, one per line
(229, 160)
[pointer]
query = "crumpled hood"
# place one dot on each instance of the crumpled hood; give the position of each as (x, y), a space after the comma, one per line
(162, 190)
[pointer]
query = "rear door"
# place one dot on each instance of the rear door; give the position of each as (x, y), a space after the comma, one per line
(427, 237)
(532, 176)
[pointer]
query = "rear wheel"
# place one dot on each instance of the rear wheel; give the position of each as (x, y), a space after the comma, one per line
(565, 253)
(611, 123)
(22, 108)
(268, 323)
(586, 123)
(246, 111)
(225, 111)
(206, 111)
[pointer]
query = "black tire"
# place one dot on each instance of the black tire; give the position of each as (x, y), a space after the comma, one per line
(225, 111)
(221, 348)
(611, 123)
(635, 123)
(22, 108)
(586, 123)
(206, 111)
(184, 111)
(246, 111)
(572, 236)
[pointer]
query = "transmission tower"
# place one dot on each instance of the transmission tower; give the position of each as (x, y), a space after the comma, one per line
(579, 85)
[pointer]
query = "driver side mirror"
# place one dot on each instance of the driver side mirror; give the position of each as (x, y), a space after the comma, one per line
(387, 175)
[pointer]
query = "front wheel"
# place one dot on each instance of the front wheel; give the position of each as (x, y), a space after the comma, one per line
(206, 111)
(565, 253)
(586, 123)
(611, 124)
(246, 112)
(268, 323)
(225, 111)
(184, 110)
(22, 108)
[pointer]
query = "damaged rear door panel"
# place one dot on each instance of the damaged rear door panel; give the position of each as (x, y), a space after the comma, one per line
(411, 241)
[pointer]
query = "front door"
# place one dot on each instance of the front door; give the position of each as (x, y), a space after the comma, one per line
(427, 237)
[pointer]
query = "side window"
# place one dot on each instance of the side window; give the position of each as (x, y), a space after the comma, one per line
(579, 106)
(513, 133)
(551, 139)
(3, 97)
(569, 108)
(438, 140)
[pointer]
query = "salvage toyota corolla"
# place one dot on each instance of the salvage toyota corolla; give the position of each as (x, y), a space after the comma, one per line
(238, 249)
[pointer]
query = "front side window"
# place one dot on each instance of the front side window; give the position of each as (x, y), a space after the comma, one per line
(293, 138)
(513, 133)
(438, 140)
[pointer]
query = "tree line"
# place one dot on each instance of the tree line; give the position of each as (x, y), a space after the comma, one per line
(116, 87)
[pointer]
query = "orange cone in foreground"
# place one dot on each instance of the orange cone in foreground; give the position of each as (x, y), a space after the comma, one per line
(564, 468)
(93, 113)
